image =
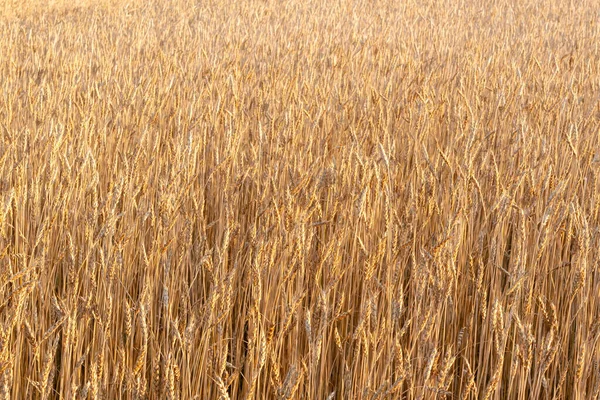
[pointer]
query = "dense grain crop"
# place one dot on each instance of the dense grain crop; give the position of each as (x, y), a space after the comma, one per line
(299, 199)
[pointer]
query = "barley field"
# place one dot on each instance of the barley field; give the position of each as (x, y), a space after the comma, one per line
(298, 199)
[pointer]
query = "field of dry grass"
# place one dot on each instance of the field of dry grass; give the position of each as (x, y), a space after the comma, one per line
(297, 199)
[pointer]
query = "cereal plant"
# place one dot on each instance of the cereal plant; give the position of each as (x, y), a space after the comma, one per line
(286, 199)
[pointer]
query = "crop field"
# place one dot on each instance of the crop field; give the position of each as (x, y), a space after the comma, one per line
(299, 199)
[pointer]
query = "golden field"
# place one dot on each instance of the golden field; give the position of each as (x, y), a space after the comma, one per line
(286, 199)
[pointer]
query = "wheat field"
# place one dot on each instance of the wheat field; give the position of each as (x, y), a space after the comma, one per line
(297, 199)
